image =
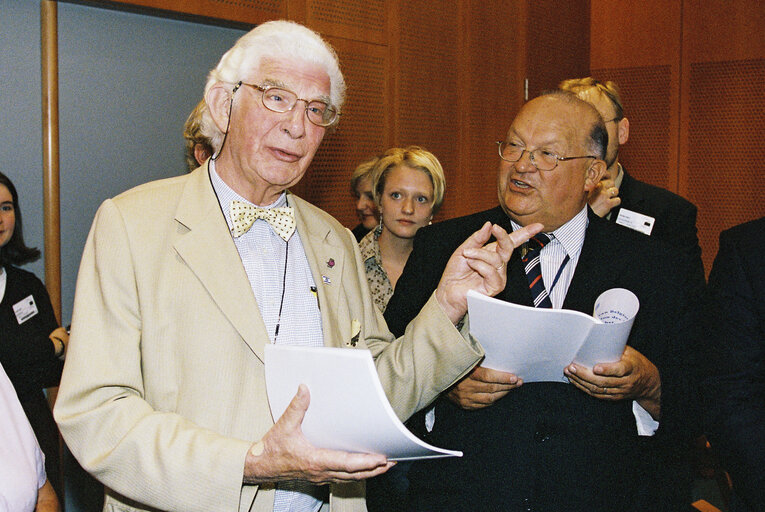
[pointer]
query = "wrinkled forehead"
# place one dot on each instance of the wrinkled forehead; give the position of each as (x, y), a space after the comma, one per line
(307, 79)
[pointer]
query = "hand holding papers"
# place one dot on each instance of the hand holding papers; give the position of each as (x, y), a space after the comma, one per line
(349, 410)
(537, 343)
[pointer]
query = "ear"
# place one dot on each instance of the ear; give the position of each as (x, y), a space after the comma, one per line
(218, 99)
(595, 173)
(623, 130)
(201, 153)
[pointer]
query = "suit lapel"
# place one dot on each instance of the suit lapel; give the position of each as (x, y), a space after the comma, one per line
(205, 245)
(326, 257)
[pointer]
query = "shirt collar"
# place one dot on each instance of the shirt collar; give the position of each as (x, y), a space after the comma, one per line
(619, 176)
(571, 234)
(227, 194)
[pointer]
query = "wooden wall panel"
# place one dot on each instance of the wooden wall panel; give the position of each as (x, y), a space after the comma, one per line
(558, 43)
(725, 146)
(646, 96)
(723, 63)
(360, 20)
(492, 93)
(637, 44)
(426, 109)
(645, 33)
(243, 11)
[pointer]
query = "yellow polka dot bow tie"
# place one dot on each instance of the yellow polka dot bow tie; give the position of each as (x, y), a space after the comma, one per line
(282, 219)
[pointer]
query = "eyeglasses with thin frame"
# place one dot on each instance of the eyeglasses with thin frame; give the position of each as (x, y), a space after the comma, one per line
(542, 159)
(277, 99)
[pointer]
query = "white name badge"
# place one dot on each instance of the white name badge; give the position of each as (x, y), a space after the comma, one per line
(25, 309)
(636, 221)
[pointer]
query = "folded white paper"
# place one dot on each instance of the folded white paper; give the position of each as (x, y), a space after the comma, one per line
(537, 343)
(349, 410)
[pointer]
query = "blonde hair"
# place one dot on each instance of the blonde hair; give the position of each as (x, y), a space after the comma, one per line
(363, 170)
(608, 89)
(416, 158)
(192, 134)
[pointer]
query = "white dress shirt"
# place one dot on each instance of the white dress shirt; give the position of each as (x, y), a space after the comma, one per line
(22, 463)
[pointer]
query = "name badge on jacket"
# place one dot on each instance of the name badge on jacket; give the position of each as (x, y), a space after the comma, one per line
(635, 220)
(25, 309)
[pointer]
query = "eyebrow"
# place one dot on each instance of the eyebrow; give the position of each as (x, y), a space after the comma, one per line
(281, 85)
(274, 83)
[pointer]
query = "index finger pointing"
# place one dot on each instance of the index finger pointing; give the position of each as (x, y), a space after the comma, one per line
(520, 236)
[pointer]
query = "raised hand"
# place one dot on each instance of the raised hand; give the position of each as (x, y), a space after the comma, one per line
(479, 267)
(604, 197)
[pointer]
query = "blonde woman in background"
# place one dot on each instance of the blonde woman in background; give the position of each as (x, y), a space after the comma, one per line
(408, 186)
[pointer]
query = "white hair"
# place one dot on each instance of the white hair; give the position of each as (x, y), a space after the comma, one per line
(274, 40)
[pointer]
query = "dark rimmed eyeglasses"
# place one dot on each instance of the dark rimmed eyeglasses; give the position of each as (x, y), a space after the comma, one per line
(542, 159)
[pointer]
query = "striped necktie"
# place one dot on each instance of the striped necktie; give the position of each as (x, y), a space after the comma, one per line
(533, 268)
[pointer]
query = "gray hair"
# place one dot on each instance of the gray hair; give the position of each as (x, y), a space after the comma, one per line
(273, 39)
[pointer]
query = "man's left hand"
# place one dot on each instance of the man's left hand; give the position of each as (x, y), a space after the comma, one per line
(633, 377)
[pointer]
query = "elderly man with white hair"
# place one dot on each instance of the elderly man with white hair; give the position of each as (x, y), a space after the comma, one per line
(184, 281)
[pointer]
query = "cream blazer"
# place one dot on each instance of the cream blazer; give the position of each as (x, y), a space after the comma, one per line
(163, 389)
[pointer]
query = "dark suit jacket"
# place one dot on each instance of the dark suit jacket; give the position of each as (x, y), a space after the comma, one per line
(675, 216)
(359, 232)
(735, 388)
(548, 446)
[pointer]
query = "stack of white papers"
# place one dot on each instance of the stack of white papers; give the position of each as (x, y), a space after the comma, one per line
(537, 343)
(349, 410)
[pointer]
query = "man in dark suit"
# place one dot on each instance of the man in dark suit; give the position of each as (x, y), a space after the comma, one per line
(551, 446)
(627, 201)
(735, 386)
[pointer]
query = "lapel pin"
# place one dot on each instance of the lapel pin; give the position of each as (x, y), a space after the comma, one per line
(331, 262)
(326, 280)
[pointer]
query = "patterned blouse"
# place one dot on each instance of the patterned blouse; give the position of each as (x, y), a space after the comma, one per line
(379, 284)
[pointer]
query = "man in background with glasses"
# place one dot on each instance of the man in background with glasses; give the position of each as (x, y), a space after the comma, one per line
(553, 446)
(625, 200)
(184, 281)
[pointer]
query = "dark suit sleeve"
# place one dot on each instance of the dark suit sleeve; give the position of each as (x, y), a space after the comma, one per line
(735, 386)
(685, 234)
(26, 352)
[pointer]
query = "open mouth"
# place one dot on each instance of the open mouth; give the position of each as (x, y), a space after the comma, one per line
(520, 184)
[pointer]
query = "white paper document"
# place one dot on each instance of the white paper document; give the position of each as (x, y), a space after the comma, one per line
(537, 343)
(349, 410)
